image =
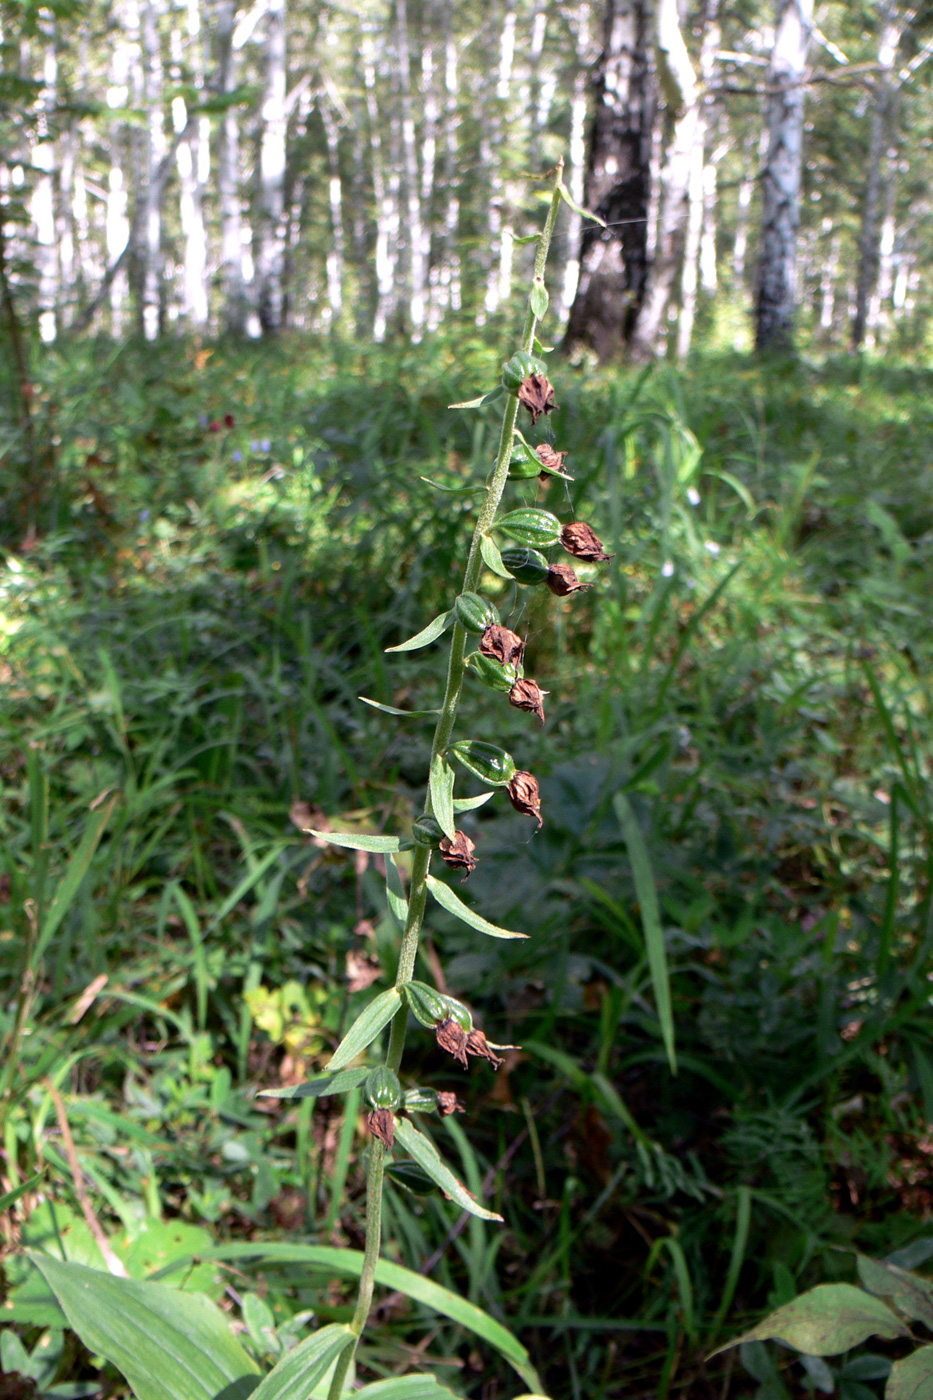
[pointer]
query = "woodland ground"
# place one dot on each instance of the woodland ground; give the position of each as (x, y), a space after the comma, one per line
(227, 540)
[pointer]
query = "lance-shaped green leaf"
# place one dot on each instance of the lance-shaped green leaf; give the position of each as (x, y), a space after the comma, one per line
(441, 786)
(470, 804)
(911, 1378)
(483, 399)
(492, 558)
(365, 1028)
(455, 905)
(435, 628)
(394, 710)
(427, 1156)
(578, 208)
(527, 238)
(828, 1319)
(395, 894)
(453, 490)
(10, 1198)
(320, 1086)
(538, 299)
(406, 1388)
(300, 1370)
(356, 840)
(651, 920)
(169, 1345)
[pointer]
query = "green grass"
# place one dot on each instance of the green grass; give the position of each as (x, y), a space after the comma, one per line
(189, 629)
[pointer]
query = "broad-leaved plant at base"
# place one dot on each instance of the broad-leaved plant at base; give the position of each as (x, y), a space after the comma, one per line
(173, 1345)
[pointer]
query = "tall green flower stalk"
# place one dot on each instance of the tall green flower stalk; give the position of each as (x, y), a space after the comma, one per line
(497, 663)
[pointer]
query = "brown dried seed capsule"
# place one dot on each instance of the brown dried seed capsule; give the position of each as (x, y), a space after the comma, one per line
(583, 543)
(382, 1125)
(448, 1103)
(525, 796)
(458, 854)
(549, 458)
(501, 644)
(452, 1038)
(528, 695)
(537, 394)
(562, 580)
(478, 1045)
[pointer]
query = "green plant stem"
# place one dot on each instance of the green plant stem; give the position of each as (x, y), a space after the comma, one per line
(418, 890)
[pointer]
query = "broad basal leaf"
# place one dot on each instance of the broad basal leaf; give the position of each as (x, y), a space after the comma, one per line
(427, 635)
(294, 1377)
(911, 1378)
(428, 1157)
(365, 1028)
(910, 1294)
(455, 905)
(168, 1344)
(828, 1319)
(406, 1388)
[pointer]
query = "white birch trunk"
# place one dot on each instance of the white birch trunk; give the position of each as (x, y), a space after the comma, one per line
(271, 260)
(152, 289)
(414, 234)
(696, 194)
(124, 58)
(491, 161)
(42, 204)
(881, 295)
(448, 283)
(430, 116)
(335, 253)
(774, 306)
(879, 179)
(233, 277)
(387, 216)
(828, 272)
(576, 153)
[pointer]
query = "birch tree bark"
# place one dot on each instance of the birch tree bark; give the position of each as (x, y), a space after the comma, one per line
(491, 151)
(43, 191)
(153, 306)
(448, 282)
(780, 217)
(879, 173)
(335, 253)
(696, 190)
(234, 310)
(414, 234)
(386, 197)
(270, 272)
(614, 261)
(683, 93)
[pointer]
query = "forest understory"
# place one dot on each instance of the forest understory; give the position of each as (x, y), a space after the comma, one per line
(200, 583)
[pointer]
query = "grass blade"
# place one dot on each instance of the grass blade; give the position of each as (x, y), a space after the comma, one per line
(650, 919)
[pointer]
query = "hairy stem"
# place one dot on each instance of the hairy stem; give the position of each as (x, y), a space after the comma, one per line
(443, 733)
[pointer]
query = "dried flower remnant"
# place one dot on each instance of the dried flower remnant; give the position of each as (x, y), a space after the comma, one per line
(382, 1125)
(502, 645)
(537, 395)
(551, 459)
(478, 1045)
(448, 1103)
(525, 795)
(453, 1038)
(528, 695)
(458, 854)
(562, 580)
(583, 543)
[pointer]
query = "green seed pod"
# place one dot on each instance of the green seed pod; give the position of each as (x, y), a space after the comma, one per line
(382, 1088)
(475, 613)
(426, 831)
(420, 1101)
(525, 564)
(523, 463)
(536, 528)
(456, 1011)
(490, 673)
(487, 762)
(427, 1005)
(519, 368)
(415, 1179)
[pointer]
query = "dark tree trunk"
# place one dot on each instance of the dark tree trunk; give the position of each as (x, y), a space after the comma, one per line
(614, 260)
